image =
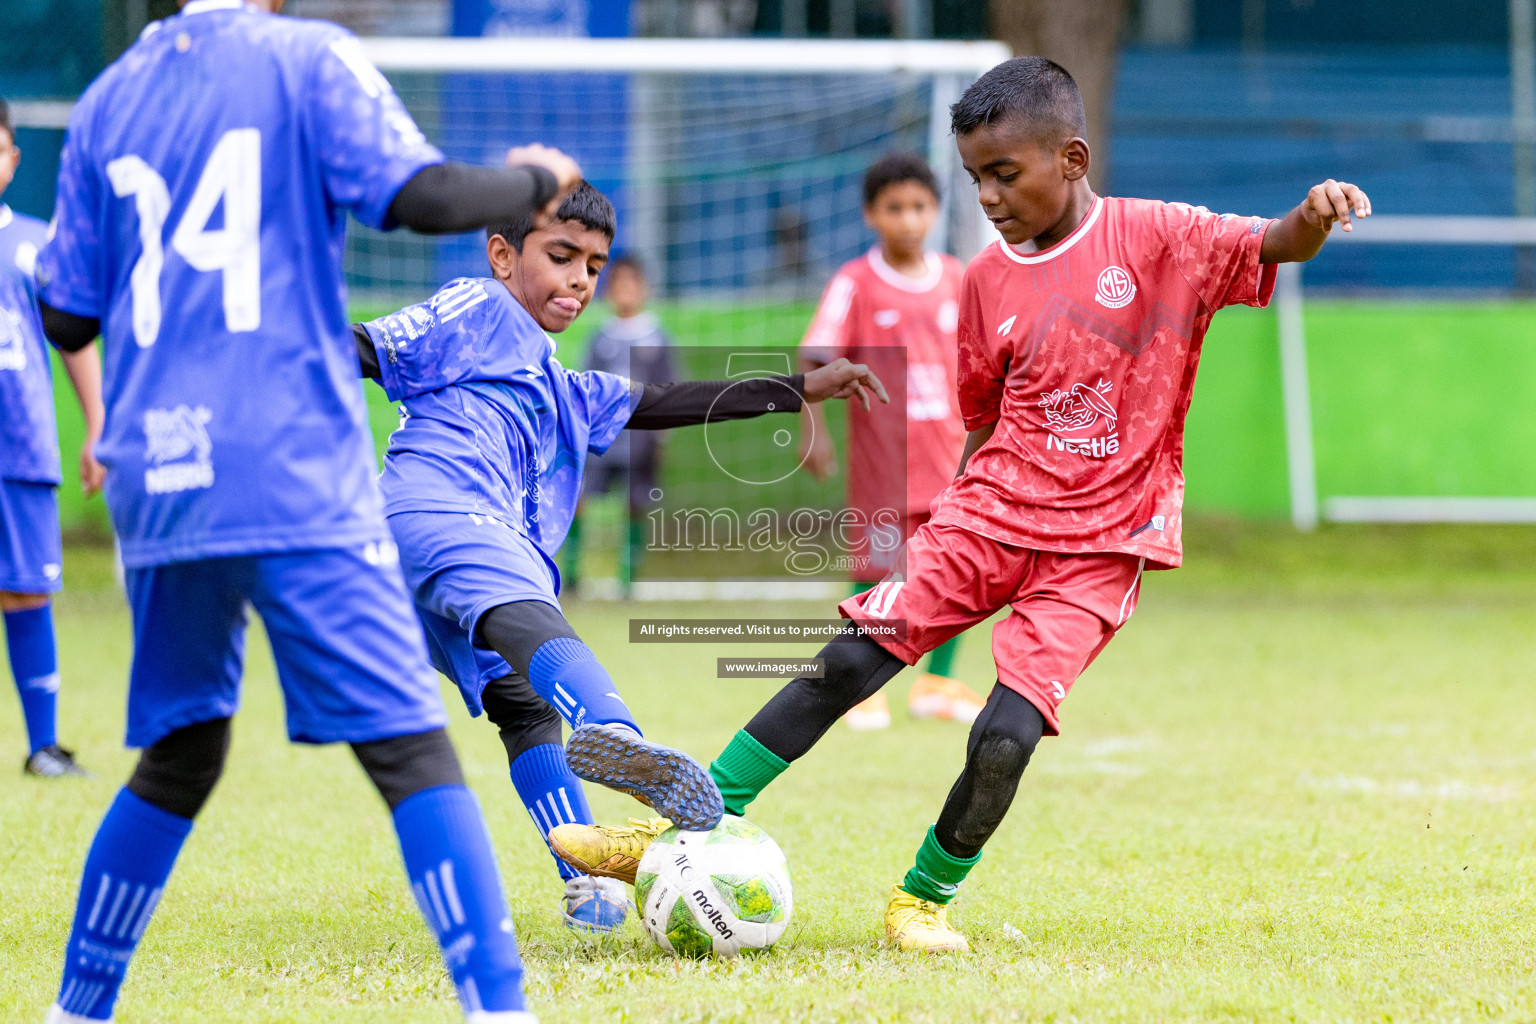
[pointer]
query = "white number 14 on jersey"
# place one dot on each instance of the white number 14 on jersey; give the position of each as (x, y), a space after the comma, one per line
(233, 174)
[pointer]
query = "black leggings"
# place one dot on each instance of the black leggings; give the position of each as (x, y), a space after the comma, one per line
(516, 631)
(524, 718)
(178, 773)
(1002, 739)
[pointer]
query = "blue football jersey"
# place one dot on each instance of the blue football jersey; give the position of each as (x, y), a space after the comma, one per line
(491, 423)
(29, 438)
(203, 190)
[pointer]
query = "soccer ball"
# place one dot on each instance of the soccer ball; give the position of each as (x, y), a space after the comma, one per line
(714, 893)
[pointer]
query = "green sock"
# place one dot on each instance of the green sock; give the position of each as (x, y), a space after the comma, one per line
(571, 570)
(936, 876)
(632, 549)
(743, 770)
(943, 656)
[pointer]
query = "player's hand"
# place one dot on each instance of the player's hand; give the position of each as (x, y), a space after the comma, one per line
(842, 379)
(1335, 202)
(566, 171)
(92, 473)
(817, 453)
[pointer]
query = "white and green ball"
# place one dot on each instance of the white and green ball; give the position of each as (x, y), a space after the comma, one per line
(715, 893)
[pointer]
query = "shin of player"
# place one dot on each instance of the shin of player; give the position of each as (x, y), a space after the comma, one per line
(1080, 331)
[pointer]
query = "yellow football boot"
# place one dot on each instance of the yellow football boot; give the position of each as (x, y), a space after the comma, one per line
(918, 925)
(605, 851)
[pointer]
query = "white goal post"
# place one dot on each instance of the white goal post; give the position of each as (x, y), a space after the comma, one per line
(1307, 507)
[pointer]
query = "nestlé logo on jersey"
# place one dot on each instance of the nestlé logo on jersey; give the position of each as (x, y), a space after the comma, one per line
(178, 448)
(1114, 287)
(1072, 420)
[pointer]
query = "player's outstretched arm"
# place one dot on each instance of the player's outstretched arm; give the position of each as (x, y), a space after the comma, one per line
(448, 198)
(1300, 234)
(694, 402)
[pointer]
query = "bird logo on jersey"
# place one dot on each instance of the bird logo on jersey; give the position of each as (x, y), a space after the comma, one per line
(1114, 287)
(1077, 411)
(1074, 411)
(171, 436)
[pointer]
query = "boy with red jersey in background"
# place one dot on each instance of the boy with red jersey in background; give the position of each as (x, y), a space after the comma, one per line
(1080, 331)
(898, 305)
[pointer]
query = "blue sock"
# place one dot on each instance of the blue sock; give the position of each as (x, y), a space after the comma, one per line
(551, 793)
(35, 664)
(125, 872)
(565, 672)
(452, 869)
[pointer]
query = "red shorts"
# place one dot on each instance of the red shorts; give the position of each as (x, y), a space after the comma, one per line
(1065, 607)
(883, 558)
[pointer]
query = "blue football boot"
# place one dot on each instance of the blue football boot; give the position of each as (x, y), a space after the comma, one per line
(667, 780)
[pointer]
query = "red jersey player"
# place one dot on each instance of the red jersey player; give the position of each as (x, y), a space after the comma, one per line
(896, 308)
(1080, 331)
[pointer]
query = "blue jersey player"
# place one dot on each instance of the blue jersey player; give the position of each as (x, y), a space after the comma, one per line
(203, 189)
(31, 556)
(480, 484)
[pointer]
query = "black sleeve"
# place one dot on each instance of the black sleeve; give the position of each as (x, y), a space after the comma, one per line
(68, 332)
(367, 356)
(688, 403)
(449, 198)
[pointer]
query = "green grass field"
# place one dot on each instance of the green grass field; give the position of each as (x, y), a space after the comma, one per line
(1297, 787)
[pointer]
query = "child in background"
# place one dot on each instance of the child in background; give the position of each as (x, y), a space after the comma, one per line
(896, 307)
(31, 552)
(632, 344)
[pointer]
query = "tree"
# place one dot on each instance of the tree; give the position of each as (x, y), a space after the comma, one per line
(122, 21)
(1082, 36)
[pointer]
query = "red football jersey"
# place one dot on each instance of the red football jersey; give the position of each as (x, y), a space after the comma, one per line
(1085, 354)
(904, 328)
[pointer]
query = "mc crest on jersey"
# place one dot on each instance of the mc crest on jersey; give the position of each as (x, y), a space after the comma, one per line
(1114, 287)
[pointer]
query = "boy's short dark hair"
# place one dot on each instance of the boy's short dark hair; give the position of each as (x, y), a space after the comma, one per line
(5, 119)
(894, 168)
(625, 261)
(1036, 94)
(586, 206)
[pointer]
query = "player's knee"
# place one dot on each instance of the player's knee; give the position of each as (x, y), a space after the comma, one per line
(524, 719)
(517, 630)
(178, 773)
(402, 766)
(1000, 759)
(1005, 735)
(854, 666)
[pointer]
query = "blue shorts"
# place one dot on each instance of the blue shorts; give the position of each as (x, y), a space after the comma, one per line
(459, 566)
(31, 553)
(348, 648)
